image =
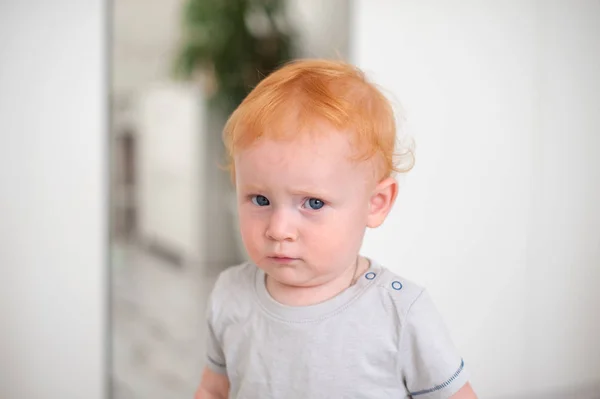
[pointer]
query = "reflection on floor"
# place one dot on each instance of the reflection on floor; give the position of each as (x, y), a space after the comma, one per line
(158, 325)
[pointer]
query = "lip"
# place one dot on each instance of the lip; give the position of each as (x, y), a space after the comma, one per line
(282, 258)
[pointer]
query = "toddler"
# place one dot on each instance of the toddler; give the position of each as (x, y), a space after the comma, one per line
(312, 152)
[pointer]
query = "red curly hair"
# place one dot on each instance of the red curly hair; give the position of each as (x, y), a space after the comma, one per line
(305, 92)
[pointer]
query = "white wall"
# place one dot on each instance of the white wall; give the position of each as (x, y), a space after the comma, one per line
(499, 218)
(53, 162)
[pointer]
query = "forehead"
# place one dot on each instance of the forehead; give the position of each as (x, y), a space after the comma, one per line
(308, 159)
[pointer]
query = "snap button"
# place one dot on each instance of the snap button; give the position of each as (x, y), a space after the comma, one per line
(370, 276)
(397, 285)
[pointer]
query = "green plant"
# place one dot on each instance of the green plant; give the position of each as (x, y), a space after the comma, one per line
(233, 44)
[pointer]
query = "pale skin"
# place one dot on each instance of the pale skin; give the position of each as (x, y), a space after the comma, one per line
(304, 206)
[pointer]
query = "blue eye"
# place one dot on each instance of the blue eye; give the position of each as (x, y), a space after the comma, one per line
(260, 200)
(314, 204)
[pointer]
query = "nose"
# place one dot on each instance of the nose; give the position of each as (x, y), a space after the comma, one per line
(281, 227)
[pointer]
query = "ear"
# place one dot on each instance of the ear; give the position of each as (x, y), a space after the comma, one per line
(381, 201)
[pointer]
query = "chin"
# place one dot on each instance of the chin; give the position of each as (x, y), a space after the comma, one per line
(284, 273)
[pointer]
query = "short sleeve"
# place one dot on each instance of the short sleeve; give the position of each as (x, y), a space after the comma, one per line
(431, 366)
(215, 358)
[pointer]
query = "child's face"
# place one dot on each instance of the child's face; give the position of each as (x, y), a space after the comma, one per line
(303, 207)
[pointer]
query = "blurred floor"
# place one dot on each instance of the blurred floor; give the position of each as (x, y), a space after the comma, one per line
(157, 324)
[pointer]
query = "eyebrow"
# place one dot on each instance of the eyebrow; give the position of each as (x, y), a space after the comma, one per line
(310, 192)
(305, 191)
(252, 187)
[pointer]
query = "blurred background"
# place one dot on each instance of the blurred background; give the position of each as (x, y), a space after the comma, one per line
(499, 218)
(179, 68)
(115, 218)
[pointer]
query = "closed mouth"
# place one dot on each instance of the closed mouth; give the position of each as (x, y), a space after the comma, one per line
(282, 257)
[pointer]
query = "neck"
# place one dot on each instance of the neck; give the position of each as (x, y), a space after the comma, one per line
(312, 295)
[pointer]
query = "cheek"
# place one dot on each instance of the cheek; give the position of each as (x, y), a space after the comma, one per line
(342, 233)
(251, 228)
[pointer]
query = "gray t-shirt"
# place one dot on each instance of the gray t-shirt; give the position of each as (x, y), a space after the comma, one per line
(381, 338)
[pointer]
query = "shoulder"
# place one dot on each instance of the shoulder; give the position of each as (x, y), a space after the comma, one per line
(238, 276)
(430, 362)
(398, 292)
(233, 287)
